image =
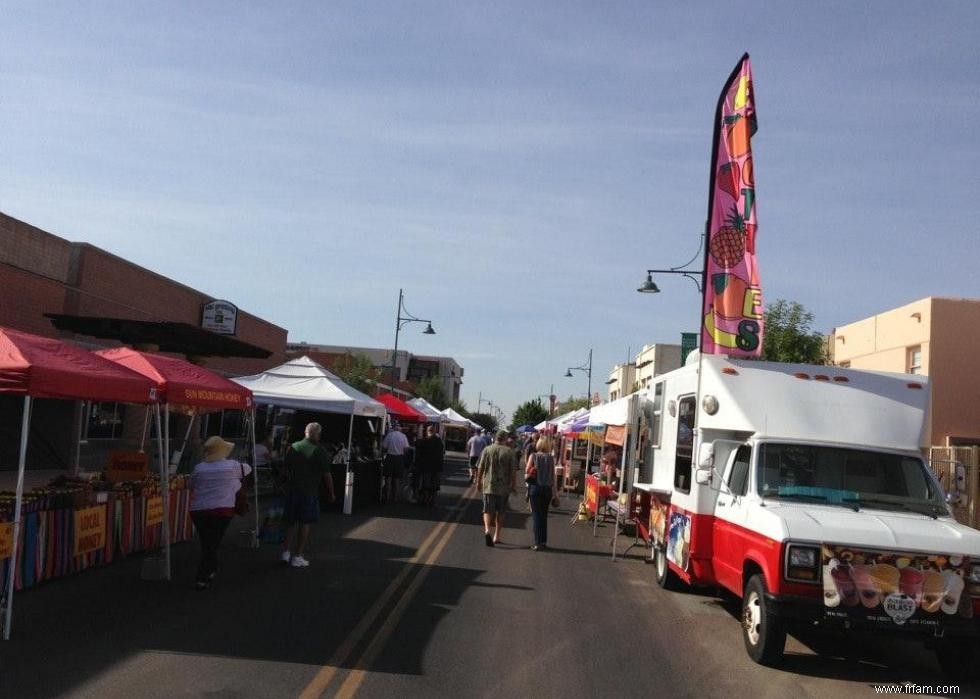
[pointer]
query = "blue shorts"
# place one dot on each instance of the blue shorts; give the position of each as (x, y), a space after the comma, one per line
(300, 507)
(494, 504)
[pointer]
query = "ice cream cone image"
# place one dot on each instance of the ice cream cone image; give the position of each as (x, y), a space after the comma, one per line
(845, 585)
(831, 596)
(867, 590)
(954, 588)
(910, 583)
(933, 589)
(886, 578)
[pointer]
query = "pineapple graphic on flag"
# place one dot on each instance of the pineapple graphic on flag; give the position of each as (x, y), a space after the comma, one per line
(732, 309)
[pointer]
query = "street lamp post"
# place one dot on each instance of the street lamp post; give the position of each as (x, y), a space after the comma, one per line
(400, 322)
(587, 368)
(695, 275)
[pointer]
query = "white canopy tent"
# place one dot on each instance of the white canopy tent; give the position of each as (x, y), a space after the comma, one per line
(611, 413)
(454, 418)
(430, 411)
(302, 384)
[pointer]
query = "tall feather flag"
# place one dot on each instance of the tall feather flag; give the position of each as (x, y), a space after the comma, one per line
(732, 310)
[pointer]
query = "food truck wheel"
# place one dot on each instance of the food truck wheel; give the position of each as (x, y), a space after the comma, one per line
(763, 631)
(665, 576)
(959, 658)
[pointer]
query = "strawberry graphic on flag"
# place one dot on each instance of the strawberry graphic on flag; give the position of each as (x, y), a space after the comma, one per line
(732, 311)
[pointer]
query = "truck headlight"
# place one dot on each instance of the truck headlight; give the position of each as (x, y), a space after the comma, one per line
(802, 563)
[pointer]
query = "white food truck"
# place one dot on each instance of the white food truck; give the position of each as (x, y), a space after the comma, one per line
(802, 489)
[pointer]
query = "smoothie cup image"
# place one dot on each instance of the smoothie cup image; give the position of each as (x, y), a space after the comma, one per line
(831, 595)
(933, 589)
(910, 584)
(845, 586)
(954, 588)
(886, 578)
(867, 589)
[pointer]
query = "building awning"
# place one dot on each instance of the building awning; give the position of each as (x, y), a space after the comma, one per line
(167, 336)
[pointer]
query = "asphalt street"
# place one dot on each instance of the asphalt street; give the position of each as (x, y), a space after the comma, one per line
(402, 601)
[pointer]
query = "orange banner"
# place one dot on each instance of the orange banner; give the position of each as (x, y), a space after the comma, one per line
(154, 511)
(90, 529)
(6, 539)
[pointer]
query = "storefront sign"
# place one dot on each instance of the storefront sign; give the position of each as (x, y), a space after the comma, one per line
(127, 466)
(154, 511)
(689, 343)
(890, 588)
(90, 530)
(6, 539)
(220, 317)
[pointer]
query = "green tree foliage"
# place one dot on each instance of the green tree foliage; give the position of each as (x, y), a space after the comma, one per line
(484, 420)
(460, 407)
(529, 413)
(571, 404)
(788, 337)
(431, 389)
(357, 370)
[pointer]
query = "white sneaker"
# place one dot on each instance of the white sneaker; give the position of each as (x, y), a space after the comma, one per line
(299, 562)
(286, 557)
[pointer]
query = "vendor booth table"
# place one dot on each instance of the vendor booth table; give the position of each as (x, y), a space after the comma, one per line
(302, 384)
(34, 534)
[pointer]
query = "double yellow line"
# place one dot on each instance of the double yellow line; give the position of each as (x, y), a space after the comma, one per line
(430, 550)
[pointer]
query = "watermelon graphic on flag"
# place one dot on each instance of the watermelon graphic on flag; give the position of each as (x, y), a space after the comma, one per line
(732, 307)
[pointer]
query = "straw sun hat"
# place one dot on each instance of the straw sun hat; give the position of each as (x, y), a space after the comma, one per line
(217, 449)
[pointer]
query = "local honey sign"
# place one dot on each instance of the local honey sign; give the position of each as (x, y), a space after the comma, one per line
(90, 529)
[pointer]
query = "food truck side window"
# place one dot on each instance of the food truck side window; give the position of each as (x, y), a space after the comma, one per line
(685, 443)
(738, 476)
(658, 408)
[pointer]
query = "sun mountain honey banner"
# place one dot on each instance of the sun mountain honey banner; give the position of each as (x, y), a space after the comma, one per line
(732, 310)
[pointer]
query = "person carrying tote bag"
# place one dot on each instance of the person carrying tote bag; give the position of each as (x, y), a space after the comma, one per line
(539, 474)
(215, 484)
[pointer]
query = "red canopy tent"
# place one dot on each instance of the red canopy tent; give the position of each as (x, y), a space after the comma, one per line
(399, 409)
(180, 382)
(40, 367)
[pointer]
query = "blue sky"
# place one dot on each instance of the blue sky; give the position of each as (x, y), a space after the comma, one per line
(515, 167)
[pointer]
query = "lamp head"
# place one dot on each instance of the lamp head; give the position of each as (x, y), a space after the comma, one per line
(648, 287)
(428, 330)
(568, 374)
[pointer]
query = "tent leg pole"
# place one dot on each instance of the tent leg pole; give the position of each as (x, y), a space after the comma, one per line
(255, 482)
(348, 474)
(163, 449)
(14, 553)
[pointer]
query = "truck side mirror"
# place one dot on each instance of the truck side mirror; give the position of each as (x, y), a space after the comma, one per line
(702, 476)
(706, 455)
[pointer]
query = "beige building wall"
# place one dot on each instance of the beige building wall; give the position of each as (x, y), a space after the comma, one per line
(935, 337)
(654, 360)
(621, 380)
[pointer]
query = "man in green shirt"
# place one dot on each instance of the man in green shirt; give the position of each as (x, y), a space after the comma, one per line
(306, 465)
(496, 476)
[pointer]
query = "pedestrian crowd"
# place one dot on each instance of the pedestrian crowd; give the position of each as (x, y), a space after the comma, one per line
(411, 471)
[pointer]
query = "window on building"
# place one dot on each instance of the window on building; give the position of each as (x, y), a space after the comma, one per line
(228, 424)
(914, 361)
(105, 420)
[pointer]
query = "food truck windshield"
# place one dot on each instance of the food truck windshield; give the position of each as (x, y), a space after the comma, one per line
(854, 478)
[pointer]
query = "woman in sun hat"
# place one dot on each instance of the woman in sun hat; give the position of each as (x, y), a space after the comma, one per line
(214, 483)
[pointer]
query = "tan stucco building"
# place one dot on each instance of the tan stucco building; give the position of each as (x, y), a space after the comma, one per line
(934, 337)
(651, 361)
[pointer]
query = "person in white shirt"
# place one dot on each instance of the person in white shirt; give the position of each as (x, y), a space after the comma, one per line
(393, 446)
(474, 447)
(214, 483)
